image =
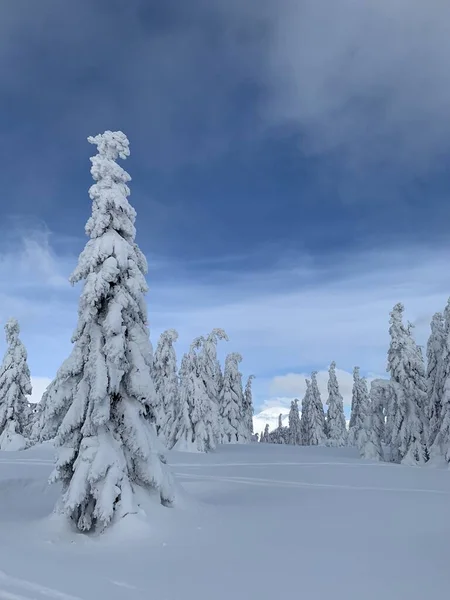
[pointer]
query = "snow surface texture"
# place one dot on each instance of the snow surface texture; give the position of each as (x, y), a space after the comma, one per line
(268, 514)
(15, 385)
(107, 450)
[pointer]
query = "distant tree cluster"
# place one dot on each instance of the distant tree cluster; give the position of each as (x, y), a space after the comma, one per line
(404, 419)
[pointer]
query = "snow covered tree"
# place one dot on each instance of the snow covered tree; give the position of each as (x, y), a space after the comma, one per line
(405, 365)
(15, 386)
(305, 416)
(248, 407)
(316, 416)
(369, 425)
(280, 435)
(436, 349)
(360, 401)
(295, 432)
(108, 452)
(212, 376)
(336, 426)
(265, 435)
(232, 402)
(165, 377)
(441, 429)
(194, 429)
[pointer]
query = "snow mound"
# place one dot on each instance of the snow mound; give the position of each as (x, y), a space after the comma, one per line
(12, 441)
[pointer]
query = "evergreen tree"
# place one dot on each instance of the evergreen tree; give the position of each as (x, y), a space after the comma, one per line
(281, 434)
(165, 376)
(248, 407)
(232, 402)
(15, 386)
(194, 430)
(212, 376)
(369, 435)
(295, 433)
(405, 365)
(441, 442)
(108, 453)
(265, 435)
(305, 420)
(360, 400)
(316, 415)
(336, 426)
(436, 349)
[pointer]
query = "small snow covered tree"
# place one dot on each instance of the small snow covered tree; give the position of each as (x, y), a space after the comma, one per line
(212, 376)
(265, 435)
(248, 408)
(316, 415)
(194, 429)
(360, 400)
(281, 434)
(165, 377)
(15, 386)
(232, 402)
(436, 351)
(405, 365)
(295, 432)
(108, 452)
(336, 426)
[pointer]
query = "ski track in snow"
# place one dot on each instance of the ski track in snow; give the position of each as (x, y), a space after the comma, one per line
(37, 590)
(282, 464)
(302, 484)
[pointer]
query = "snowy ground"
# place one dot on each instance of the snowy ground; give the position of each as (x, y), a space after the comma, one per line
(264, 522)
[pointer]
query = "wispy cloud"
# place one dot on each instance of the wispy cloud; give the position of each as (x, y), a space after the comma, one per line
(285, 321)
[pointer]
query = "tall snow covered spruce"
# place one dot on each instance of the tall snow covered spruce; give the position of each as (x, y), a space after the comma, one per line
(15, 386)
(195, 427)
(212, 376)
(441, 442)
(295, 432)
(335, 420)
(305, 426)
(360, 401)
(316, 417)
(248, 408)
(165, 376)
(406, 367)
(108, 452)
(436, 350)
(232, 402)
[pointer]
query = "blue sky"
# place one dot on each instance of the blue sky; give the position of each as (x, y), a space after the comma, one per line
(289, 163)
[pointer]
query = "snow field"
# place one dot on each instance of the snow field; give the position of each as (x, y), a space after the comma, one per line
(256, 521)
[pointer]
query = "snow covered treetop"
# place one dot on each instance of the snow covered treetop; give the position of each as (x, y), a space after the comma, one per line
(110, 208)
(233, 359)
(12, 330)
(217, 334)
(170, 335)
(111, 144)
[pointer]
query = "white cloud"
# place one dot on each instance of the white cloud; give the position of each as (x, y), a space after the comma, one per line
(270, 416)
